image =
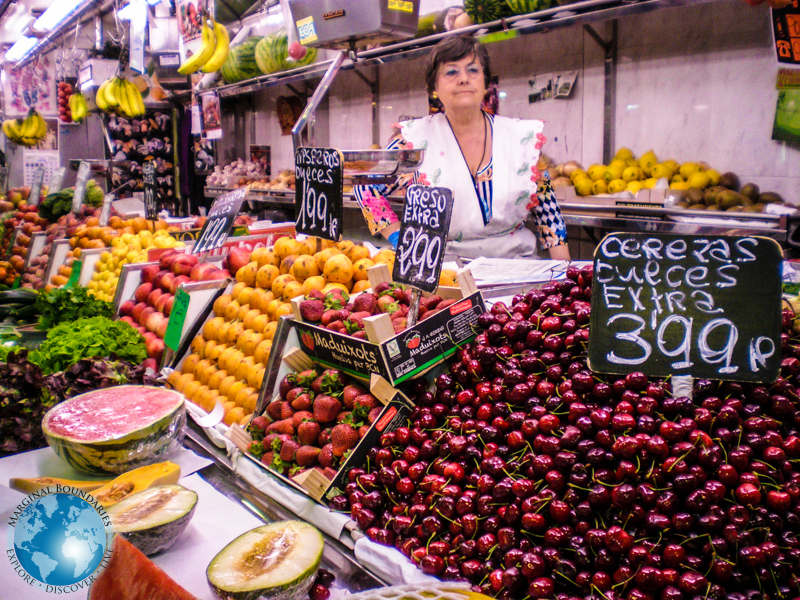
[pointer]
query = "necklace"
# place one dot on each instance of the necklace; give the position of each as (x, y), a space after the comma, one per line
(483, 154)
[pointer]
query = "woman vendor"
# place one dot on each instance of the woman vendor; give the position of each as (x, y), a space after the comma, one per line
(489, 162)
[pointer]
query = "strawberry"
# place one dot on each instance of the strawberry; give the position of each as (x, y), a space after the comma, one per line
(334, 300)
(286, 410)
(306, 456)
(328, 316)
(366, 302)
(326, 458)
(304, 378)
(374, 414)
(286, 384)
(294, 393)
(259, 423)
(315, 295)
(431, 302)
(324, 437)
(311, 310)
(398, 293)
(382, 287)
(399, 324)
(343, 437)
(407, 296)
(360, 334)
(337, 326)
(303, 402)
(387, 304)
(284, 426)
(269, 439)
(421, 312)
(299, 417)
(343, 314)
(445, 303)
(329, 381)
(344, 417)
(367, 401)
(267, 458)
(402, 311)
(362, 431)
(330, 473)
(350, 393)
(430, 313)
(288, 450)
(274, 410)
(326, 408)
(308, 433)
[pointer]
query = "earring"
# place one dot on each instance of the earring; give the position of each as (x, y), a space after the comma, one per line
(435, 96)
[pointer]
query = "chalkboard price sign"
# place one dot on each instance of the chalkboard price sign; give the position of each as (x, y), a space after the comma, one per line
(36, 188)
(80, 186)
(423, 236)
(220, 221)
(150, 204)
(318, 192)
(704, 306)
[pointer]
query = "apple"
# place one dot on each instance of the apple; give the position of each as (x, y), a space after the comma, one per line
(218, 274)
(297, 51)
(165, 260)
(129, 321)
(183, 263)
(154, 321)
(149, 273)
(150, 363)
(201, 271)
(176, 283)
(155, 349)
(126, 309)
(168, 304)
(137, 311)
(149, 310)
(148, 337)
(161, 302)
(142, 292)
(161, 331)
(153, 296)
(236, 259)
(165, 283)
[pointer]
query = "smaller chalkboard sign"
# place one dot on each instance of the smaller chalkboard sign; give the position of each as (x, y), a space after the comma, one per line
(423, 236)
(36, 187)
(318, 192)
(150, 204)
(80, 186)
(220, 221)
(57, 180)
(703, 306)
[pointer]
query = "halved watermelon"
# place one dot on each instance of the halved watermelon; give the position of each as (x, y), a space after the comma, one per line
(113, 430)
(277, 561)
(130, 575)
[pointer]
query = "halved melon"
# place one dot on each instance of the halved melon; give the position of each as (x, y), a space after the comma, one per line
(136, 481)
(113, 430)
(153, 519)
(277, 561)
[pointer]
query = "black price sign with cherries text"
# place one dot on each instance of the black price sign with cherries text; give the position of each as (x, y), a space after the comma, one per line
(318, 192)
(423, 236)
(704, 306)
(220, 221)
(150, 204)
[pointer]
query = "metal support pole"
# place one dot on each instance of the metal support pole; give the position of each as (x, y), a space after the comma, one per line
(610, 97)
(316, 99)
(376, 95)
(98, 33)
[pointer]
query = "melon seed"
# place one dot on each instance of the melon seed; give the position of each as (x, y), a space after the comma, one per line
(117, 492)
(143, 509)
(267, 554)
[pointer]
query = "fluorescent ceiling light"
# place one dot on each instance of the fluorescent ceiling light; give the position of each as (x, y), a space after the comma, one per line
(20, 48)
(125, 13)
(57, 12)
(153, 2)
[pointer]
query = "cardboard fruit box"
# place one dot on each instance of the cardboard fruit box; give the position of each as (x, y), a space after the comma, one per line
(312, 481)
(402, 356)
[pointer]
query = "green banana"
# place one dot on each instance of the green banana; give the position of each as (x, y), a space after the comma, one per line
(204, 53)
(221, 49)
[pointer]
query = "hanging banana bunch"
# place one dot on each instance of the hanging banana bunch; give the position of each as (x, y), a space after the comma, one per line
(78, 107)
(214, 47)
(120, 95)
(26, 132)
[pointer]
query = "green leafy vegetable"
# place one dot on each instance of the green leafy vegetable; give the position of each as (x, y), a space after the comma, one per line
(61, 305)
(99, 337)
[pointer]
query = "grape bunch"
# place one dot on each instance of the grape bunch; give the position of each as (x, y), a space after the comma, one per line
(530, 476)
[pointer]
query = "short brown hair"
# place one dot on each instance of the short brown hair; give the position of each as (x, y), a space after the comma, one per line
(452, 49)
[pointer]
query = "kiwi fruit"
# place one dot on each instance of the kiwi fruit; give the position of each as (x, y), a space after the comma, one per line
(713, 207)
(729, 180)
(769, 198)
(727, 199)
(682, 204)
(735, 209)
(698, 207)
(750, 190)
(695, 196)
(710, 196)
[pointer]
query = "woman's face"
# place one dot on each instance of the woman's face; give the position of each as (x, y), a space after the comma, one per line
(460, 84)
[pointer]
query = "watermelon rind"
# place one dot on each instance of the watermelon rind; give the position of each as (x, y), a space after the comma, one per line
(153, 519)
(241, 61)
(238, 572)
(485, 11)
(146, 445)
(524, 7)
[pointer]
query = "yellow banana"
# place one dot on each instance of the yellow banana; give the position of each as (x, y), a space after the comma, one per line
(42, 127)
(204, 53)
(223, 43)
(122, 95)
(30, 126)
(111, 95)
(100, 97)
(7, 130)
(16, 130)
(137, 94)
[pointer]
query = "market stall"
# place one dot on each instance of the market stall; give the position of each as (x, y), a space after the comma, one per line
(246, 352)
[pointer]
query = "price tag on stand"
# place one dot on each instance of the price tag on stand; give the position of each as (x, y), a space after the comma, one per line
(177, 317)
(80, 186)
(75, 274)
(703, 306)
(423, 237)
(150, 204)
(220, 221)
(318, 192)
(57, 180)
(105, 211)
(36, 187)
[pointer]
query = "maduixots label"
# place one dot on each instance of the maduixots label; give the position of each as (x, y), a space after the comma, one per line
(59, 539)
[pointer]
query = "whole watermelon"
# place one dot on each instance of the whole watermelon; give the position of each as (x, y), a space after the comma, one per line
(523, 7)
(484, 11)
(269, 57)
(241, 62)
